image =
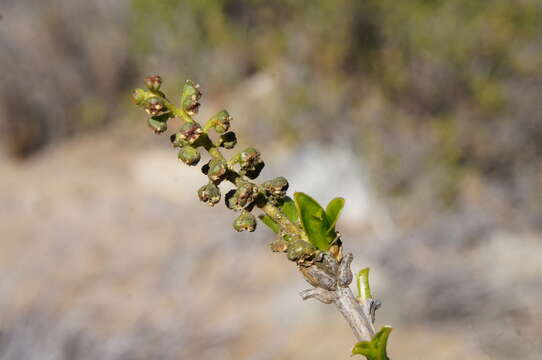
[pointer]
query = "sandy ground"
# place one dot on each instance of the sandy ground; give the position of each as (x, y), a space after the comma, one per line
(105, 253)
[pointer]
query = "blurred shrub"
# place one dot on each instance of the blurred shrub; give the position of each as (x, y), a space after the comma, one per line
(441, 92)
(66, 65)
(438, 96)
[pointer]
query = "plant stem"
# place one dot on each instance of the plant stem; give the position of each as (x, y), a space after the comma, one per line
(278, 216)
(358, 314)
(354, 314)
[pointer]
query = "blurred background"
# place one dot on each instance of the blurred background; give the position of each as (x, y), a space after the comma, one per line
(424, 114)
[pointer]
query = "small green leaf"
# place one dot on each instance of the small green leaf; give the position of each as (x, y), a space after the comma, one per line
(362, 280)
(376, 348)
(289, 209)
(333, 211)
(314, 221)
(266, 219)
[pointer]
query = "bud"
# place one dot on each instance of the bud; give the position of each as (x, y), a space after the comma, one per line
(301, 252)
(177, 140)
(157, 125)
(153, 82)
(190, 98)
(155, 105)
(228, 140)
(248, 158)
(250, 162)
(245, 221)
(209, 194)
(189, 155)
(190, 132)
(245, 194)
(276, 187)
(217, 169)
(279, 245)
(223, 119)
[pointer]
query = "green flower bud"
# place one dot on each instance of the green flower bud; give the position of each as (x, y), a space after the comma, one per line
(178, 141)
(243, 196)
(217, 169)
(190, 98)
(246, 194)
(155, 106)
(248, 158)
(190, 132)
(157, 125)
(223, 120)
(209, 194)
(245, 221)
(189, 155)
(276, 187)
(301, 252)
(279, 245)
(250, 162)
(153, 82)
(140, 96)
(228, 140)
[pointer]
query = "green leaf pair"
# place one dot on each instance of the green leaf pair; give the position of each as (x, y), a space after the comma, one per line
(376, 348)
(319, 224)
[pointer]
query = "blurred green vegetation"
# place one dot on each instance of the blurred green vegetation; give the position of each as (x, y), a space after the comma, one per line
(436, 96)
(448, 84)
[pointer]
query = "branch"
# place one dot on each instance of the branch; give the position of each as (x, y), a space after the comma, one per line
(305, 230)
(331, 280)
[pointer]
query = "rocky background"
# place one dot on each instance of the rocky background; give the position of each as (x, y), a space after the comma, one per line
(424, 115)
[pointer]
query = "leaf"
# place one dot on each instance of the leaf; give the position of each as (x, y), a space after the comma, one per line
(289, 209)
(333, 210)
(314, 221)
(266, 219)
(376, 348)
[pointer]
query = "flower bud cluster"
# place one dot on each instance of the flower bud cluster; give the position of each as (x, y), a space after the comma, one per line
(242, 167)
(276, 188)
(221, 121)
(158, 124)
(217, 169)
(177, 141)
(249, 159)
(209, 194)
(245, 222)
(190, 132)
(302, 252)
(153, 105)
(189, 155)
(153, 83)
(243, 196)
(250, 163)
(190, 98)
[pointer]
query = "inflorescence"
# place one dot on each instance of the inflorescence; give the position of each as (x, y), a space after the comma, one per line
(280, 212)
